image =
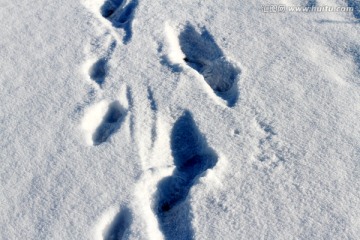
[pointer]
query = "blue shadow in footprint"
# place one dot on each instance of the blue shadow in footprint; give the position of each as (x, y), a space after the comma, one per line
(111, 122)
(192, 157)
(119, 225)
(205, 56)
(98, 71)
(120, 14)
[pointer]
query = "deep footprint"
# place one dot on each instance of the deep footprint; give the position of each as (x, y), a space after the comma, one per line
(98, 71)
(204, 55)
(121, 15)
(192, 157)
(119, 225)
(110, 6)
(110, 123)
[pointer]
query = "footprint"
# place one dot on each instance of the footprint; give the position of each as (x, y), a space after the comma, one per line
(110, 6)
(98, 71)
(110, 123)
(120, 14)
(355, 4)
(102, 120)
(204, 55)
(192, 157)
(119, 225)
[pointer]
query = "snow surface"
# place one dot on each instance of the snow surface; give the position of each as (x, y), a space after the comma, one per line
(186, 119)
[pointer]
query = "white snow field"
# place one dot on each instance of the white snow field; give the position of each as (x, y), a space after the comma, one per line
(177, 120)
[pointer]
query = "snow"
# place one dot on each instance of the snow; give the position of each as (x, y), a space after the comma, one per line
(179, 120)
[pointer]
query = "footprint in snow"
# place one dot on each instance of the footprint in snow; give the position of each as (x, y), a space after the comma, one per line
(117, 229)
(120, 14)
(205, 56)
(192, 157)
(110, 123)
(99, 69)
